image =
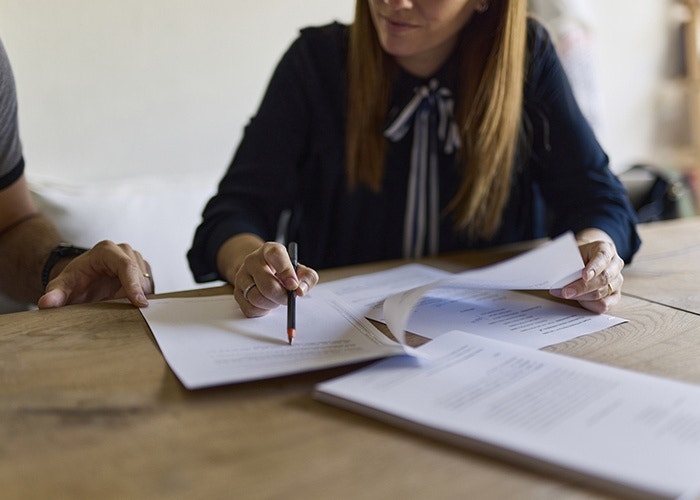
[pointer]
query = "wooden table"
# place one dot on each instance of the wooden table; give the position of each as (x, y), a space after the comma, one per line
(89, 408)
(667, 269)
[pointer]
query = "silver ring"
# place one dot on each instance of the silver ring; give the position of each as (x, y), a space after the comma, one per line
(247, 290)
(147, 276)
(610, 288)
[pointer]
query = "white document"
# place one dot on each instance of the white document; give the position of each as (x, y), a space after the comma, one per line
(630, 431)
(550, 266)
(505, 315)
(207, 341)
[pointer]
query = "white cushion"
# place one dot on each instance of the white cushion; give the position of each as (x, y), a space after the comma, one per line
(155, 215)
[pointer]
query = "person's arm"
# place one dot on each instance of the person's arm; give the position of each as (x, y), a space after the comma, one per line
(581, 193)
(573, 171)
(27, 239)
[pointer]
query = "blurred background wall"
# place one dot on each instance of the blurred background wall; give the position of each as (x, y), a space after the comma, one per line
(119, 88)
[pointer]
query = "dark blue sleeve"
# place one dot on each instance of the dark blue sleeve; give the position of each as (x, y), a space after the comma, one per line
(578, 187)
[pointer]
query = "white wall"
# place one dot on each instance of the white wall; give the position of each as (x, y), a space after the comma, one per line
(111, 88)
(631, 50)
(114, 88)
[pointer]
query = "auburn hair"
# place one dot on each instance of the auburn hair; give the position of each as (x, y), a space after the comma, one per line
(490, 54)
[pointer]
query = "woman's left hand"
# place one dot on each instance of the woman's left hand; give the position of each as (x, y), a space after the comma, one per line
(601, 279)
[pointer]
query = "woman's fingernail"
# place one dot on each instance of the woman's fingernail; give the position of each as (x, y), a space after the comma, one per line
(291, 284)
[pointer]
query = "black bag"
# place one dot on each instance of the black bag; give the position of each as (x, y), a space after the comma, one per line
(658, 194)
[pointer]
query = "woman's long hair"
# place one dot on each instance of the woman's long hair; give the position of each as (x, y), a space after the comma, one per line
(488, 98)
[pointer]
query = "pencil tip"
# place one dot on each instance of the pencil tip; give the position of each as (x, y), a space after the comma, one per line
(290, 335)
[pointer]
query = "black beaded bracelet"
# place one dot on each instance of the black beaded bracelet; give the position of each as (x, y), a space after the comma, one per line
(60, 252)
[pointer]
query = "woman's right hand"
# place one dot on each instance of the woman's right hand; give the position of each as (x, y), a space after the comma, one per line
(263, 276)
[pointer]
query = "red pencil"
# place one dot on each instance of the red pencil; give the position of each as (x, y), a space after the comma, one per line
(291, 297)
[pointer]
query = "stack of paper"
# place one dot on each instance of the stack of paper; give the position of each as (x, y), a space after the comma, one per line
(628, 431)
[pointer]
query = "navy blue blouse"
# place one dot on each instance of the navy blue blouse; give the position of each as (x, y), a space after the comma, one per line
(290, 163)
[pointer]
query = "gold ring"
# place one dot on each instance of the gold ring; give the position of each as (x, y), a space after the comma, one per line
(610, 287)
(247, 290)
(147, 276)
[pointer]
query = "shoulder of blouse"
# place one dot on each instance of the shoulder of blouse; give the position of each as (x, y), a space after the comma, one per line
(541, 54)
(315, 63)
(327, 40)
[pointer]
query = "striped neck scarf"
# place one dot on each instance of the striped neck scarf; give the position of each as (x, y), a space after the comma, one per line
(430, 111)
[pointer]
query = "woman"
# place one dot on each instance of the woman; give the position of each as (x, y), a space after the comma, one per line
(426, 126)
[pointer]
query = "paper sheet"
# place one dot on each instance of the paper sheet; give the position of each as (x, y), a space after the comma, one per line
(547, 267)
(208, 341)
(504, 315)
(631, 430)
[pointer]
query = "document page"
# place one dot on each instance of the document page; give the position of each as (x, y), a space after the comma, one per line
(629, 431)
(547, 267)
(505, 315)
(207, 341)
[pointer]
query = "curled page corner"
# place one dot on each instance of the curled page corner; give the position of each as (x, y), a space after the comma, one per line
(566, 280)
